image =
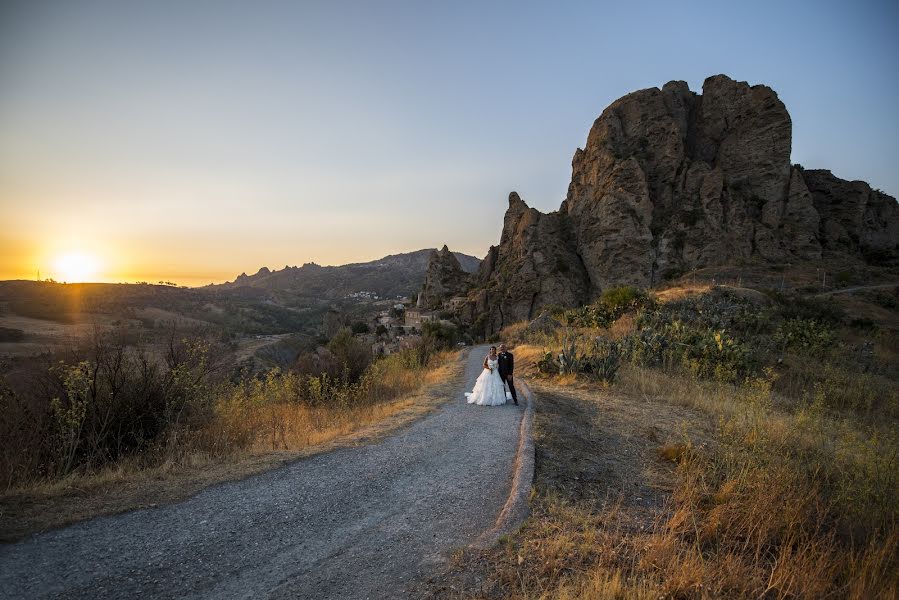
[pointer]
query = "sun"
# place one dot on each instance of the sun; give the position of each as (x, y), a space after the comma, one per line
(76, 267)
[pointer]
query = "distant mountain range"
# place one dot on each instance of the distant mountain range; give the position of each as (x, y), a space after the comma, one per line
(391, 276)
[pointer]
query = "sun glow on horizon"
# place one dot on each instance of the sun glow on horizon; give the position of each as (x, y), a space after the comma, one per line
(76, 267)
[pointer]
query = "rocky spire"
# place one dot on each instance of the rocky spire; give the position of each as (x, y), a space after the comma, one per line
(444, 279)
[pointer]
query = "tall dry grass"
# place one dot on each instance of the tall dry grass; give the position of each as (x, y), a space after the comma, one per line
(777, 506)
(270, 414)
(248, 427)
(791, 499)
(115, 409)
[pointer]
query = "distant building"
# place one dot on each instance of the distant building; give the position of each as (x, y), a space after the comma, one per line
(415, 317)
(457, 302)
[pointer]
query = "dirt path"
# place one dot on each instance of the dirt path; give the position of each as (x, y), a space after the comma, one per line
(857, 288)
(364, 522)
(597, 451)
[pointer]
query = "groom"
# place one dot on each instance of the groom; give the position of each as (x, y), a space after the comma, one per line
(506, 367)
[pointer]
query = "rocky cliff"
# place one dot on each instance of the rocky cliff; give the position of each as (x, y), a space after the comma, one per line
(444, 278)
(670, 180)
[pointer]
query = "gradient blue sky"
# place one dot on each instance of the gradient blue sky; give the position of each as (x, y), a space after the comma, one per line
(195, 140)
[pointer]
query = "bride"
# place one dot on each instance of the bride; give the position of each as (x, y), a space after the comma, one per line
(488, 389)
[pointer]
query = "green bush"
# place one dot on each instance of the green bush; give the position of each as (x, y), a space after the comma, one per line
(352, 355)
(804, 336)
(548, 364)
(597, 359)
(613, 303)
(603, 361)
(619, 299)
(360, 327)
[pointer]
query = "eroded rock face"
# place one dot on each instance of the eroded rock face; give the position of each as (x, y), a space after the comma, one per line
(670, 180)
(444, 279)
(854, 218)
(536, 264)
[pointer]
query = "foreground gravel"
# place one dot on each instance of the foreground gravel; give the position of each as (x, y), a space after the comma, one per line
(365, 522)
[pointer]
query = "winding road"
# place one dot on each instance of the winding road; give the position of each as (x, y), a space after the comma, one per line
(365, 522)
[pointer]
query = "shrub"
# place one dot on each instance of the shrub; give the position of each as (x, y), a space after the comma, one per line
(804, 336)
(360, 327)
(8, 334)
(597, 359)
(105, 402)
(619, 299)
(548, 365)
(612, 304)
(603, 361)
(352, 355)
(817, 309)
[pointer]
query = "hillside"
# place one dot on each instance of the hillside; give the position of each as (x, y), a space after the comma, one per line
(706, 441)
(266, 319)
(391, 276)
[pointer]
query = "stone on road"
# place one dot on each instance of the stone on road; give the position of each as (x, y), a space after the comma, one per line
(366, 522)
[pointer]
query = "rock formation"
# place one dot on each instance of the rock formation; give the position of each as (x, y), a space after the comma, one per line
(536, 264)
(670, 180)
(444, 279)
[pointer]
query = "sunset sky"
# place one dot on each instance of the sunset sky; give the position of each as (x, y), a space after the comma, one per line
(190, 141)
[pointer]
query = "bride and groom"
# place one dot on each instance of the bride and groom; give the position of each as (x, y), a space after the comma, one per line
(489, 389)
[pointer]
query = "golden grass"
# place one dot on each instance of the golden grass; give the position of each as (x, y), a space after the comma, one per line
(275, 424)
(238, 442)
(781, 504)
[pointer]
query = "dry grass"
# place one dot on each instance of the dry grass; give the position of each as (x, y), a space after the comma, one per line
(776, 504)
(271, 430)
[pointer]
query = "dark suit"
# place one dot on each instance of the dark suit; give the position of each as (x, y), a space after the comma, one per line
(506, 367)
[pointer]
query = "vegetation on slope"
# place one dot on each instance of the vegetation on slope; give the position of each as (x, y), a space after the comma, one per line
(111, 412)
(787, 488)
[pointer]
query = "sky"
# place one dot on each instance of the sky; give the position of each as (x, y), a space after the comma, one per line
(193, 141)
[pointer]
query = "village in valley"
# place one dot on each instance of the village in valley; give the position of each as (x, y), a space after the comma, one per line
(399, 321)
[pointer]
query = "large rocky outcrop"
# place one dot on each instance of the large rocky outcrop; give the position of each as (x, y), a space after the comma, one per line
(444, 279)
(536, 264)
(670, 180)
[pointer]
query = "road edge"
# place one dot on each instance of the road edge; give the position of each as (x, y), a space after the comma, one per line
(517, 507)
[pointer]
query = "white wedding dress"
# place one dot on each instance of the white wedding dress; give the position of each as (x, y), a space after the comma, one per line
(488, 389)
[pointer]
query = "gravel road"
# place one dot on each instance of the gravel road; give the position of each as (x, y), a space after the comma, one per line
(366, 522)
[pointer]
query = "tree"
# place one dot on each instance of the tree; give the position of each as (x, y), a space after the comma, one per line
(360, 327)
(352, 355)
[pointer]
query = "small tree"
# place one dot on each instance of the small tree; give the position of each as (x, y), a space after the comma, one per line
(360, 327)
(350, 353)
